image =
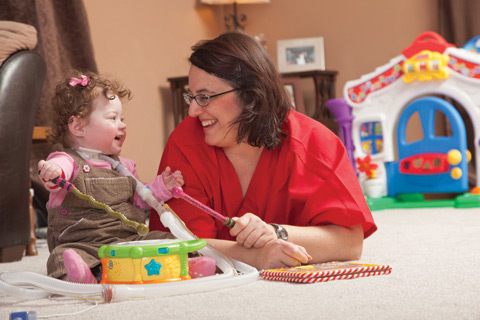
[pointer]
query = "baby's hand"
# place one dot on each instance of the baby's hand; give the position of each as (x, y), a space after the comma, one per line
(171, 180)
(48, 171)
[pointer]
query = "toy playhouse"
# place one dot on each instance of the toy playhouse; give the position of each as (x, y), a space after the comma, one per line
(422, 92)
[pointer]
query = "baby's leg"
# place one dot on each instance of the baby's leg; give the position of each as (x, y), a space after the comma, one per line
(77, 270)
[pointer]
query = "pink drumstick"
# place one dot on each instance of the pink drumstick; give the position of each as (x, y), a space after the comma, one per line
(177, 192)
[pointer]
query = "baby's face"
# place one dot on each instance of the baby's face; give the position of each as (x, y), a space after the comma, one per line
(104, 129)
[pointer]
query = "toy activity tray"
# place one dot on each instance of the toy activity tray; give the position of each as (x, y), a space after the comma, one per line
(148, 261)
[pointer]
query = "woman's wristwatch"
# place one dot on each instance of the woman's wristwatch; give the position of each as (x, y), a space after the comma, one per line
(280, 231)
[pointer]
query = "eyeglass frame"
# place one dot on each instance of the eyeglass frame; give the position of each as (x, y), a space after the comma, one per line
(189, 98)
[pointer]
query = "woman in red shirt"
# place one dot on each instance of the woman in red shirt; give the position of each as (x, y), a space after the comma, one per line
(283, 177)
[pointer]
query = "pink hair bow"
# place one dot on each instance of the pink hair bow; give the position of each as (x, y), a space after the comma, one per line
(75, 81)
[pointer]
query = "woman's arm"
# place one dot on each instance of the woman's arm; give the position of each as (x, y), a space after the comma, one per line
(305, 245)
(328, 242)
(275, 254)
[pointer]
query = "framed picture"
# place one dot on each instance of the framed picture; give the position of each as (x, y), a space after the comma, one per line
(293, 86)
(303, 54)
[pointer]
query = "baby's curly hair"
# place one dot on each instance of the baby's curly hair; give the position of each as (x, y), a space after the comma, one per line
(76, 100)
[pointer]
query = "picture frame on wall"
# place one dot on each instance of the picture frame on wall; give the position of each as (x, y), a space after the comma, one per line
(303, 54)
(293, 86)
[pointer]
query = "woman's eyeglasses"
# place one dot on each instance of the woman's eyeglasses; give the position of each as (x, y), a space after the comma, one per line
(202, 99)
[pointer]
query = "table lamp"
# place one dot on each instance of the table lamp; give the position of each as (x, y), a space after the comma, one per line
(235, 18)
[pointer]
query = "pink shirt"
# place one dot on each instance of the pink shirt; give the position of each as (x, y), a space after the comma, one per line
(70, 171)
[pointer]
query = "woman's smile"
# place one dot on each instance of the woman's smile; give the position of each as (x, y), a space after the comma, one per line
(208, 123)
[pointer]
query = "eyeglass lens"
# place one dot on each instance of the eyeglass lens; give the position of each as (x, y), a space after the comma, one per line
(202, 100)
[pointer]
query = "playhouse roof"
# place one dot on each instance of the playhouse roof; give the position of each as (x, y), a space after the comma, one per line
(428, 40)
(429, 57)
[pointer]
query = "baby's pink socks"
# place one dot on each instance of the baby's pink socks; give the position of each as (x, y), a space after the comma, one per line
(77, 270)
(201, 267)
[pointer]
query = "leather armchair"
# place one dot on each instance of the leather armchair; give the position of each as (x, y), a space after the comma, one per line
(21, 81)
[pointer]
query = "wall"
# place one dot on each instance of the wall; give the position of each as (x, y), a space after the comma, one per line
(145, 42)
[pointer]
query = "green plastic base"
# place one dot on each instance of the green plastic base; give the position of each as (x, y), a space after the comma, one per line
(417, 200)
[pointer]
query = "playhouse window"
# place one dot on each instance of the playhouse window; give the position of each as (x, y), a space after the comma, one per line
(443, 127)
(371, 137)
(414, 128)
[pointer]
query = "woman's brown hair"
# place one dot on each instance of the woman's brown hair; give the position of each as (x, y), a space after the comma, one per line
(242, 62)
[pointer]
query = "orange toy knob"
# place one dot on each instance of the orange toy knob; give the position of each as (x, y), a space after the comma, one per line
(475, 190)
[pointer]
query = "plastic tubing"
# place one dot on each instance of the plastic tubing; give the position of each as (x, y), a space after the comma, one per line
(38, 286)
(176, 226)
(31, 286)
(171, 220)
(23, 293)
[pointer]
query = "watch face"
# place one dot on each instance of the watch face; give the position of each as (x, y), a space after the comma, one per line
(280, 231)
(282, 234)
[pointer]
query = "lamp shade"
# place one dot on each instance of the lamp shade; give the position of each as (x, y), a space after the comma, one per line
(232, 1)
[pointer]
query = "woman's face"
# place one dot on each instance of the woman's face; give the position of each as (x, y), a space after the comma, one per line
(216, 118)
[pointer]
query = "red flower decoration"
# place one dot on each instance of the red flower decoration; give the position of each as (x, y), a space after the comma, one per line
(365, 165)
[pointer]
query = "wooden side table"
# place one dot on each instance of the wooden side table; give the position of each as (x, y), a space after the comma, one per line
(324, 83)
(178, 86)
(40, 134)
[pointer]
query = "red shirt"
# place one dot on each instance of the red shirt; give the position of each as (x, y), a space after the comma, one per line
(307, 181)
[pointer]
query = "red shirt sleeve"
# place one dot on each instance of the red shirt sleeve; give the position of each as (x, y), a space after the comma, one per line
(326, 180)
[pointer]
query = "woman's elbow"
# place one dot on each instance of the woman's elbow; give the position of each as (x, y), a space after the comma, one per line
(356, 243)
(356, 251)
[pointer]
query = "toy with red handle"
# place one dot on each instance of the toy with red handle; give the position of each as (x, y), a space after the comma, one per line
(177, 192)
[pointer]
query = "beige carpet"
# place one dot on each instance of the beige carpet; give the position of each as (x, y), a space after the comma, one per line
(434, 255)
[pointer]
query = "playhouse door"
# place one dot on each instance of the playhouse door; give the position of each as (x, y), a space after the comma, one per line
(433, 164)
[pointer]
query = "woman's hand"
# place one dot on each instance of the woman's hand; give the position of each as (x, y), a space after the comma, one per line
(251, 231)
(281, 254)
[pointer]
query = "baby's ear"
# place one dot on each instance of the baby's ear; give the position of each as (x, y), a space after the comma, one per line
(75, 125)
